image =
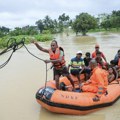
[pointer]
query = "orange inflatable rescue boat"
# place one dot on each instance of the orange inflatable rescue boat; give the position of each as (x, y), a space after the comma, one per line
(69, 102)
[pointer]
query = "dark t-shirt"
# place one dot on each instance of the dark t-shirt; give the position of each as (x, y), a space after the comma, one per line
(86, 61)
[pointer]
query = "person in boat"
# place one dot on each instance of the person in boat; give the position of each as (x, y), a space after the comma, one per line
(77, 65)
(113, 71)
(118, 59)
(116, 63)
(111, 74)
(116, 56)
(87, 60)
(99, 60)
(98, 81)
(97, 47)
(113, 63)
(57, 59)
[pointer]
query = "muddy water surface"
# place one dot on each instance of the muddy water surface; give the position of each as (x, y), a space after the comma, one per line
(24, 74)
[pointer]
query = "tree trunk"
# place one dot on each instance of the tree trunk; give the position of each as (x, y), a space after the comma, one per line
(84, 33)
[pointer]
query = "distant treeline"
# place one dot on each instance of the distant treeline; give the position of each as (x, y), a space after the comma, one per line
(81, 24)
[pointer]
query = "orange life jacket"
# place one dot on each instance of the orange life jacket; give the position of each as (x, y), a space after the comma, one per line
(55, 56)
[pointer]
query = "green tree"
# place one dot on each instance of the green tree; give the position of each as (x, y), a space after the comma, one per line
(83, 23)
(17, 31)
(1, 34)
(40, 25)
(29, 30)
(56, 26)
(63, 21)
(4, 31)
(115, 19)
(49, 24)
(105, 21)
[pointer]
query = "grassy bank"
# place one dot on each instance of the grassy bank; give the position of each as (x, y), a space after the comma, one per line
(113, 30)
(40, 37)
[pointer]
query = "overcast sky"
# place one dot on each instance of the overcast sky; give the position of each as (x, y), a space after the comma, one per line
(18, 13)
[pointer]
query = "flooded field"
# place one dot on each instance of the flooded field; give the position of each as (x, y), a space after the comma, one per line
(23, 75)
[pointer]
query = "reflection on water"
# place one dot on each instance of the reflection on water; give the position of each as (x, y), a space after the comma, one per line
(24, 74)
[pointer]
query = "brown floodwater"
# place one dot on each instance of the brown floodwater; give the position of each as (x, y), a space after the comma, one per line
(23, 75)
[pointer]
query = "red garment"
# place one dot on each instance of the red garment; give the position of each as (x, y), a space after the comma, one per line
(98, 82)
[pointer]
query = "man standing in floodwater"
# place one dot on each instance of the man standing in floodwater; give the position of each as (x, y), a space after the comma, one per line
(57, 59)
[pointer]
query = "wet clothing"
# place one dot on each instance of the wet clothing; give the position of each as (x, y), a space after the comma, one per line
(97, 83)
(62, 71)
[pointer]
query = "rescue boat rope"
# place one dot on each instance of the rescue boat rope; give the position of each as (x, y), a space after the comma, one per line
(15, 46)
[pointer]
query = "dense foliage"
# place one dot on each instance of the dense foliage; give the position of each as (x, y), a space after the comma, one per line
(83, 23)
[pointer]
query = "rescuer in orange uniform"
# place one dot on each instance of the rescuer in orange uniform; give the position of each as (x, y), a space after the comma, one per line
(98, 81)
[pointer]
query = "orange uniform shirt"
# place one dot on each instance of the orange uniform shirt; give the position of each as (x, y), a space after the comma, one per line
(98, 82)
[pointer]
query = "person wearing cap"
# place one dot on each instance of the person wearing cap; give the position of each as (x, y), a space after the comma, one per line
(97, 47)
(77, 65)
